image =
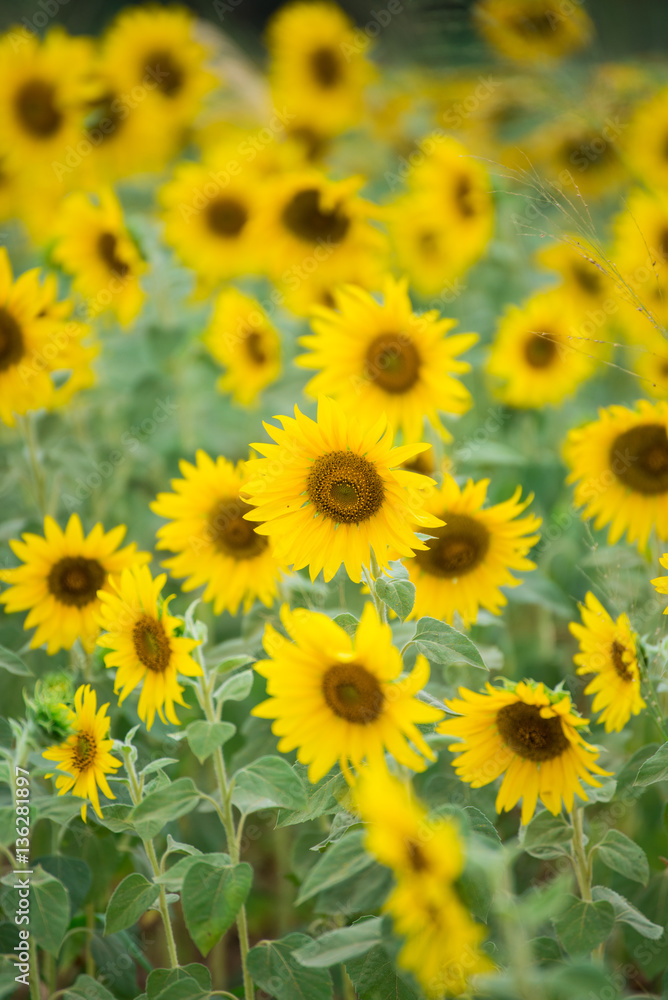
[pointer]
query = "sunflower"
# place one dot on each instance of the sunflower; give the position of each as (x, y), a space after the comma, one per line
(540, 353)
(335, 699)
(214, 545)
(608, 650)
(648, 357)
(660, 583)
(530, 735)
(84, 756)
(647, 139)
(383, 358)
(472, 554)
(331, 492)
(60, 580)
(241, 337)
(533, 31)
(641, 247)
(619, 464)
(584, 283)
(144, 646)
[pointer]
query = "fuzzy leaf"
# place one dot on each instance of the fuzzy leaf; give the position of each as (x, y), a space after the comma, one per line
(441, 643)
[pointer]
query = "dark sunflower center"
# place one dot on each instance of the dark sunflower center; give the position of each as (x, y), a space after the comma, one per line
(231, 534)
(326, 67)
(162, 67)
(464, 197)
(428, 242)
(254, 344)
(458, 547)
(416, 857)
(527, 734)
(11, 340)
(353, 693)
(106, 247)
(151, 644)
(587, 278)
(617, 651)
(36, 108)
(345, 487)
(536, 24)
(75, 580)
(639, 459)
(84, 751)
(226, 217)
(540, 349)
(393, 362)
(306, 220)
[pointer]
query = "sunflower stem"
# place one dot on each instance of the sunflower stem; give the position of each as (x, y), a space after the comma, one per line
(579, 857)
(649, 693)
(36, 469)
(370, 580)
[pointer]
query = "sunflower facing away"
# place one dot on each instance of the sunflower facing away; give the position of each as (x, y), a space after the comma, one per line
(335, 699)
(144, 647)
(529, 31)
(84, 756)
(61, 578)
(241, 337)
(383, 358)
(332, 492)
(530, 735)
(214, 546)
(472, 554)
(608, 650)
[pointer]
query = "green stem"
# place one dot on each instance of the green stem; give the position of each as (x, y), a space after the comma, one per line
(649, 694)
(35, 465)
(369, 579)
(90, 926)
(579, 857)
(517, 944)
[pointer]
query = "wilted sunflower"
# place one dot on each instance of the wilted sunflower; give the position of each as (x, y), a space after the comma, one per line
(383, 358)
(530, 735)
(84, 756)
(332, 492)
(241, 337)
(144, 646)
(619, 464)
(608, 650)
(214, 546)
(530, 31)
(61, 578)
(335, 699)
(472, 554)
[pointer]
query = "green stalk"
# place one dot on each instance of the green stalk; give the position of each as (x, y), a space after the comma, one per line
(579, 857)
(649, 694)
(36, 469)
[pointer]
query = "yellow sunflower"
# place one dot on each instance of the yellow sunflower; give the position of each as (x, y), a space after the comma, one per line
(84, 756)
(241, 337)
(660, 583)
(608, 650)
(332, 492)
(60, 580)
(383, 358)
(648, 357)
(541, 352)
(335, 699)
(145, 647)
(214, 546)
(583, 282)
(472, 554)
(529, 734)
(619, 464)
(533, 31)
(646, 141)
(641, 247)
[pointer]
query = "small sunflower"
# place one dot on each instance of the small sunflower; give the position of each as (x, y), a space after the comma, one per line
(529, 734)
(472, 554)
(619, 464)
(647, 139)
(60, 580)
(533, 31)
(335, 699)
(84, 756)
(332, 492)
(144, 646)
(608, 650)
(214, 546)
(383, 358)
(241, 337)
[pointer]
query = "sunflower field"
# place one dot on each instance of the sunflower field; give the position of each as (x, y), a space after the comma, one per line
(333, 500)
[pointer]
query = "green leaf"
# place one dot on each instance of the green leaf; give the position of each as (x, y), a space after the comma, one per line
(348, 623)
(399, 595)
(159, 979)
(158, 765)
(49, 910)
(173, 878)
(321, 799)
(620, 853)
(374, 977)
(131, 898)
(654, 769)
(341, 944)
(184, 988)
(205, 737)
(275, 970)
(267, 782)
(163, 806)
(583, 926)
(442, 643)
(235, 688)
(211, 898)
(625, 913)
(232, 662)
(481, 824)
(13, 664)
(345, 858)
(546, 836)
(117, 817)
(546, 949)
(628, 774)
(74, 873)
(87, 988)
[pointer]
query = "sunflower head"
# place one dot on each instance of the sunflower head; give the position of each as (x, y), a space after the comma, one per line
(529, 31)
(241, 337)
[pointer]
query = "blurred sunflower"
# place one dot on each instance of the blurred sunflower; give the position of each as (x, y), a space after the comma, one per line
(647, 139)
(648, 357)
(144, 645)
(335, 699)
(530, 735)
(533, 31)
(241, 337)
(584, 283)
(332, 492)
(472, 554)
(660, 583)
(619, 464)
(608, 650)
(641, 246)
(214, 546)
(383, 358)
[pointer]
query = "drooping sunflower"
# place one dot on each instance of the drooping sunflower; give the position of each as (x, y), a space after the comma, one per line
(619, 464)
(533, 31)
(381, 357)
(84, 757)
(241, 337)
(335, 699)
(61, 578)
(214, 546)
(332, 492)
(646, 140)
(145, 648)
(608, 650)
(529, 734)
(472, 554)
